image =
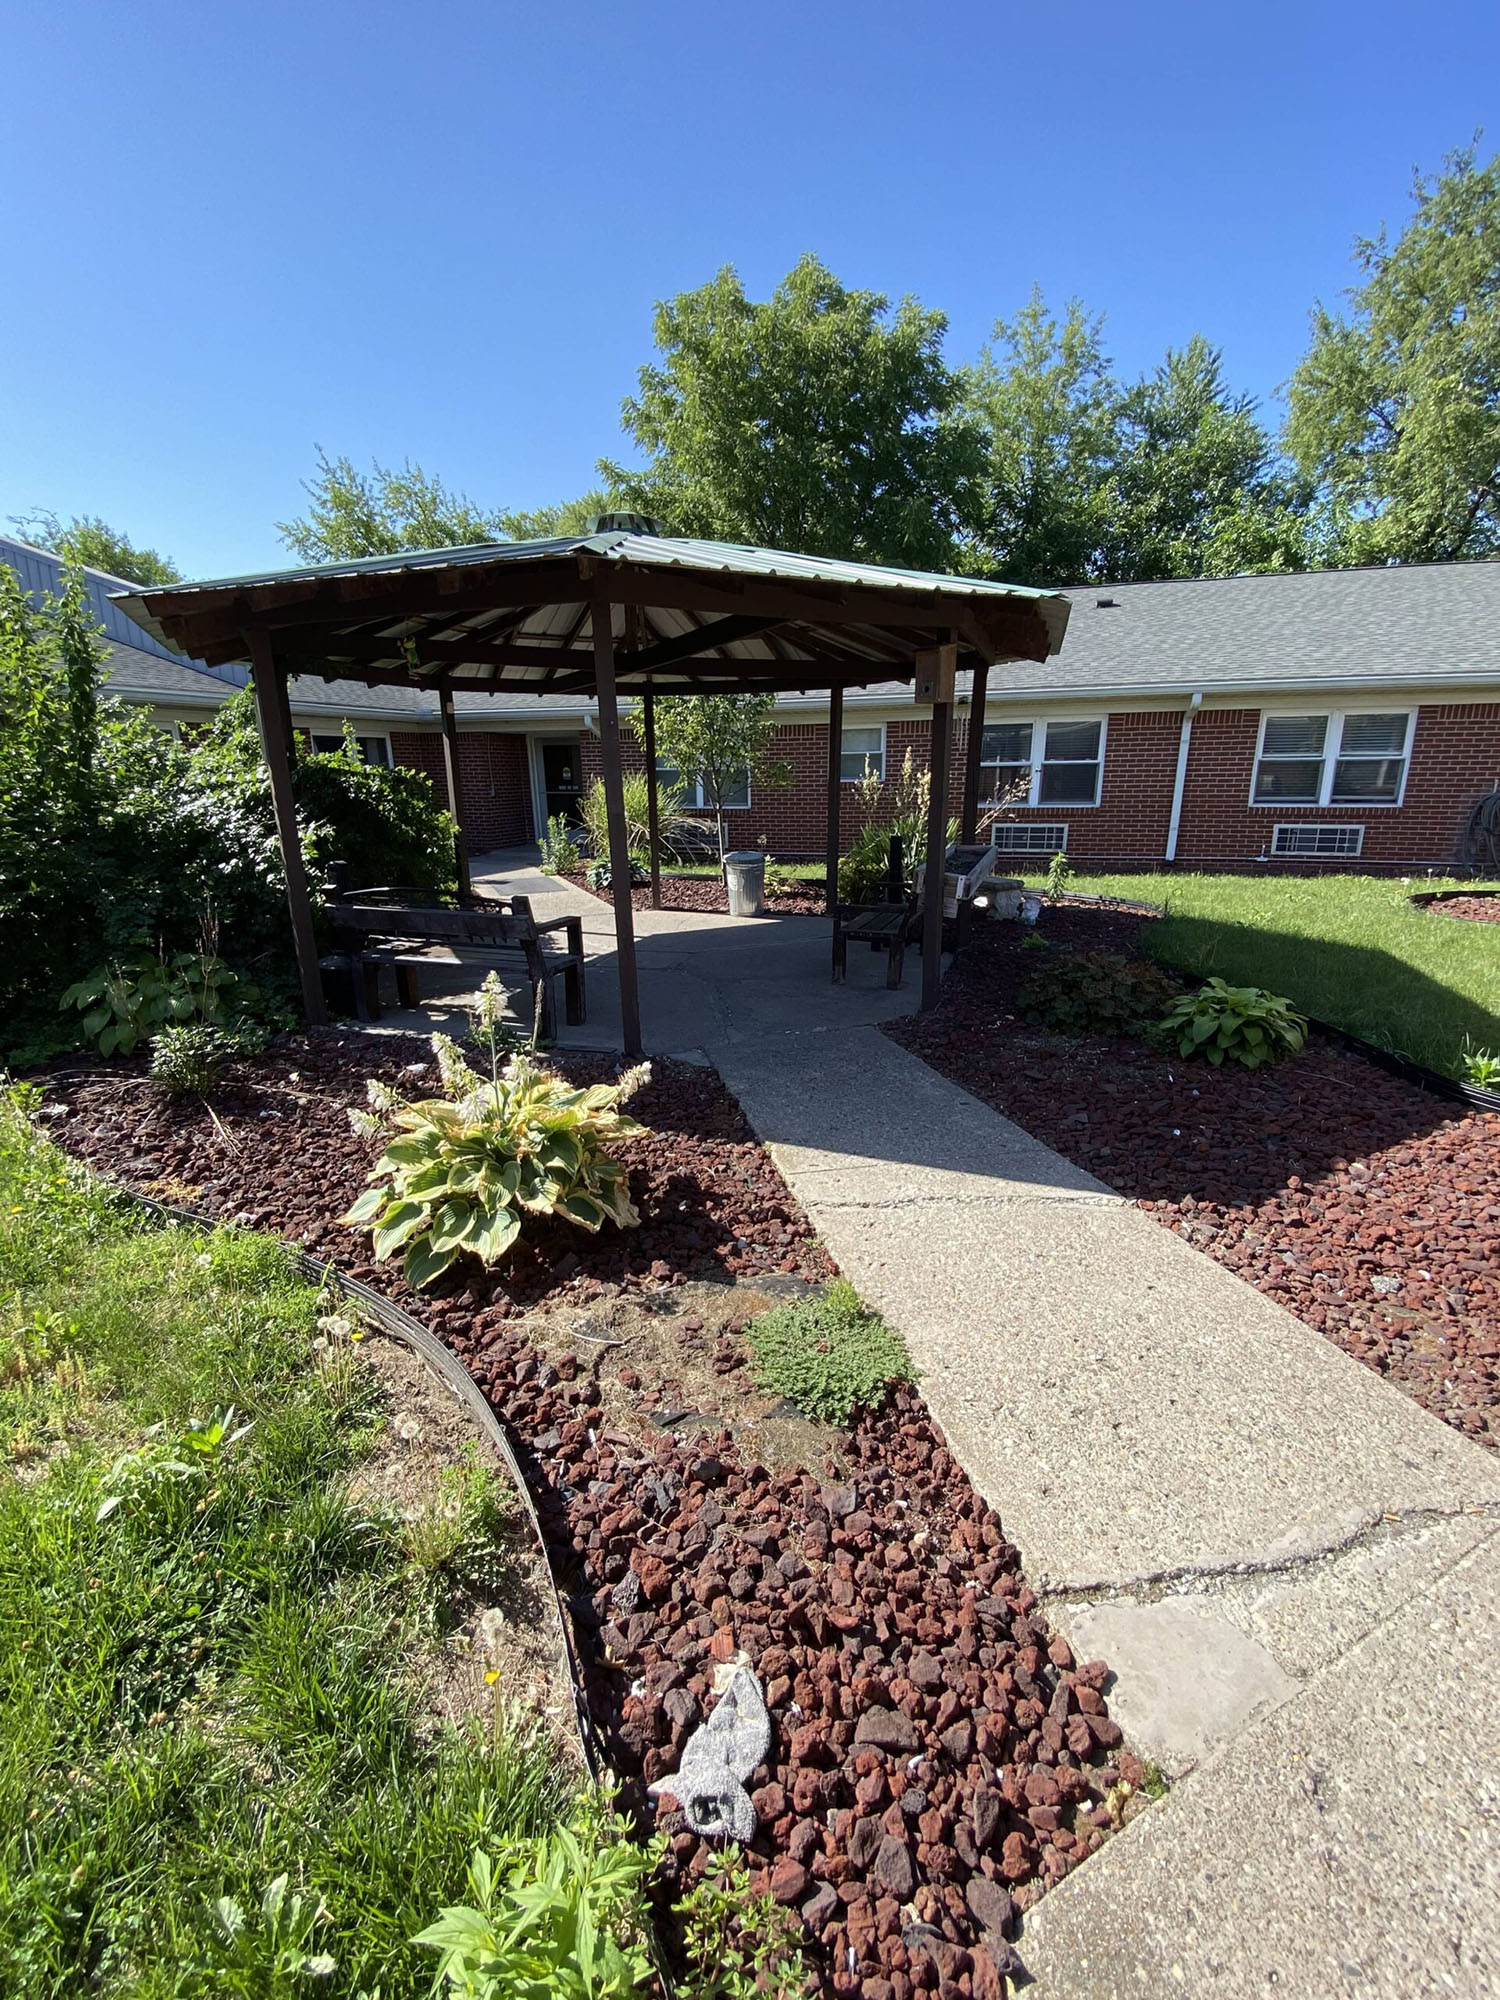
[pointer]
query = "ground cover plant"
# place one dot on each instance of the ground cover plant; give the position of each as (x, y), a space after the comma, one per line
(938, 1757)
(828, 1353)
(1351, 950)
(1364, 1205)
(218, 1773)
(1235, 1023)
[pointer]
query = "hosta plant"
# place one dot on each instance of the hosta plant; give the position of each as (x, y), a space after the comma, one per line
(465, 1170)
(125, 1003)
(1243, 1023)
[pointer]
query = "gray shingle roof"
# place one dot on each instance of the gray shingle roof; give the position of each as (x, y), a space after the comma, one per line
(1427, 622)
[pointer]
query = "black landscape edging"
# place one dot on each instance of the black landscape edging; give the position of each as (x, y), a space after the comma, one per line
(451, 1372)
(1427, 897)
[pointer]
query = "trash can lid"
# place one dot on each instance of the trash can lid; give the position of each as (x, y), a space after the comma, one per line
(746, 854)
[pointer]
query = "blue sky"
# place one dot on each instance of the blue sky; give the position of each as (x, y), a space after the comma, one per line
(236, 231)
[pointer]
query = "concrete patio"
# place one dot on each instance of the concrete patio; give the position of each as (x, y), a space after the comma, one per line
(1291, 1566)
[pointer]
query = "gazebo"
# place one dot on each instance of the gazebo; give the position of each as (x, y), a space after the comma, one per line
(618, 611)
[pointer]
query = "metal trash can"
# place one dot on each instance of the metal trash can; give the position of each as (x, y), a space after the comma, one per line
(745, 874)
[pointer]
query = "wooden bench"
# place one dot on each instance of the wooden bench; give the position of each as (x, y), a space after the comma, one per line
(887, 926)
(417, 934)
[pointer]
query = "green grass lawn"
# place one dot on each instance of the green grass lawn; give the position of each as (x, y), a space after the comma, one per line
(211, 1655)
(1347, 949)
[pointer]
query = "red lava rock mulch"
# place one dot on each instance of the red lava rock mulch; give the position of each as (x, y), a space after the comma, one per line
(707, 893)
(711, 1202)
(938, 1757)
(1477, 909)
(1366, 1206)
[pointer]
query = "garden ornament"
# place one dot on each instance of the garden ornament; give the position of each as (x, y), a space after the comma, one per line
(719, 1758)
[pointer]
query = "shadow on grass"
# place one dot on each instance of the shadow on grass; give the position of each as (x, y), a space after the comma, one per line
(1360, 988)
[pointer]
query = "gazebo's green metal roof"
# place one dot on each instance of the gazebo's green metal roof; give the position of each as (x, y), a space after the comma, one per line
(684, 612)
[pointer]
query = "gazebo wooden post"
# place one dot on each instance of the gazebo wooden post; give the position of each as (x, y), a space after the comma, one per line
(653, 817)
(455, 787)
(935, 871)
(273, 712)
(614, 800)
(835, 795)
(968, 825)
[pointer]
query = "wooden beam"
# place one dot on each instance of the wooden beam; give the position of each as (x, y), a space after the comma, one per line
(835, 796)
(968, 825)
(619, 840)
(653, 810)
(455, 787)
(276, 745)
(935, 875)
(723, 632)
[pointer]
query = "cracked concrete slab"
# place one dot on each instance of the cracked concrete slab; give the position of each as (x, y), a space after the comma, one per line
(1187, 1677)
(1133, 1410)
(1348, 1843)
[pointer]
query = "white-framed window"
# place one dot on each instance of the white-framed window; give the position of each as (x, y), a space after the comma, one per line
(1344, 757)
(1041, 763)
(862, 753)
(374, 749)
(736, 790)
(1304, 837)
(1028, 836)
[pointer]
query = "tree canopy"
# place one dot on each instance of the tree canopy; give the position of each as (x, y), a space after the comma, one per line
(1092, 479)
(87, 540)
(822, 419)
(1395, 408)
(718, 742)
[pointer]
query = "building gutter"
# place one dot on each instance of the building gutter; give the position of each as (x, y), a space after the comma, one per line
(1179, 783)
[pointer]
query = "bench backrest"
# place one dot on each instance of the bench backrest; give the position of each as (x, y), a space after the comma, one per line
(490, 926)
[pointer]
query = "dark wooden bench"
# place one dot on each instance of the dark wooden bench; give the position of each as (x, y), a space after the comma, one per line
(887, 926)
(417, 934)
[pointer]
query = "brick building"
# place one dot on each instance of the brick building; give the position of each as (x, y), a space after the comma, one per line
(1344, 719)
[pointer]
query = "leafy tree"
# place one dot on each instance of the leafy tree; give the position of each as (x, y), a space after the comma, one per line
(715, 740)
(1092, 480)
(87, 540)
(821, 420)
(1047, 403)
(381, 513)
(1395, 408)
(568, 517)
(1197, 487)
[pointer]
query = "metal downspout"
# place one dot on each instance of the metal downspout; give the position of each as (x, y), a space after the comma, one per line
(1179, 784)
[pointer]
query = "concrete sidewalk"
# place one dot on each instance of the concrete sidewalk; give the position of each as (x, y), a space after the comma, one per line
(1291, 1566)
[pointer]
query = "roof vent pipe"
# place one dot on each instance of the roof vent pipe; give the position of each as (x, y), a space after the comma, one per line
(625, 524)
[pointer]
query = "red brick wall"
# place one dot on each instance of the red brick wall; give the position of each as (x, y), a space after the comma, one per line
(1455, 759)
(492, 776)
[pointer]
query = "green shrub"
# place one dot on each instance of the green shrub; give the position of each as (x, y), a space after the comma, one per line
(563, 1916)
(468, 1168)
(1244, 1023)
(828, 1354)
(381, 820)
(116, 840)
(671, 820)
(899, 807)
(560, 855)
(125, 1004)
(1095, 993)
(599, 874)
